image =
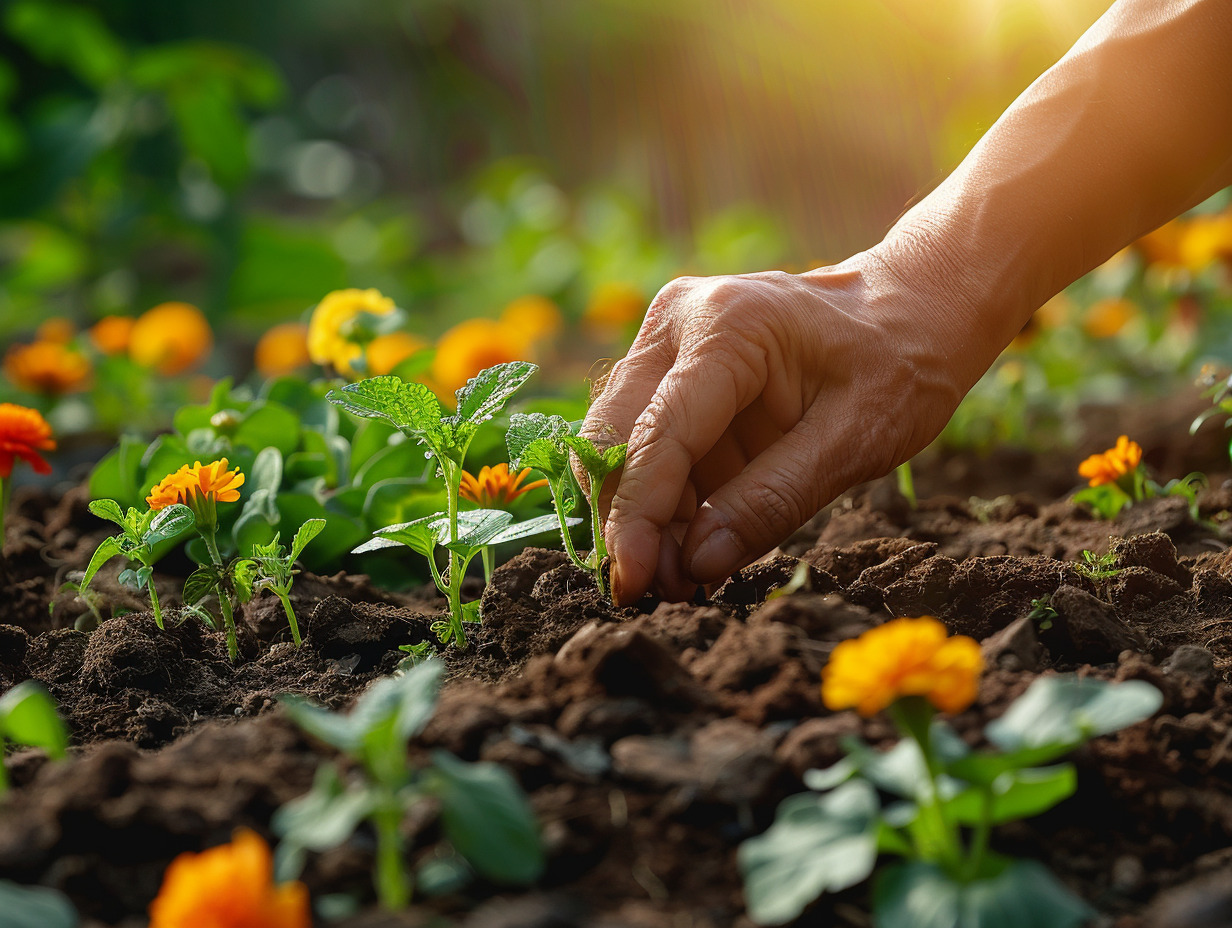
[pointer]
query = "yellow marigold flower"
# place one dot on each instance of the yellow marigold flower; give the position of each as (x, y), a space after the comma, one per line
(615, 305)
(1205, 240)
(201, 488)
(1107, 317)
(46, 367)
(385, 352)
(1113, 464)
(328, 338)
(903, 657)
(282, 349)
(471, 346)
(56, 329)
(229, 886)
(170, 337)
(537, 317)
(495, 487)
(23, 434)
(113, 334)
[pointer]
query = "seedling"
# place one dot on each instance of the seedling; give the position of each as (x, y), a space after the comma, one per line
(28, 716)
(140, 533)
(415, 410)
(905, 480)
(1042, 613)
(272, 567)
(1098, 567)
(544, 443)
(484, 813)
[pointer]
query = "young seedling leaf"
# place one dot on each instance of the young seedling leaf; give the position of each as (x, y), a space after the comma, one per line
(168, 523)
(108, 509)
(35, 907)
(597, 462)
(900, 770)
(411, 407)
(334, 728)
(1016, 794)
(200, 584)
(308, 531)
(135, 580)
(477, 530)
(243, 573)
(420, 535)
(483, 396)
(109, 548)
(538, 526)
(537, 440)
(325, 816)
(488, 820)
(28, 716)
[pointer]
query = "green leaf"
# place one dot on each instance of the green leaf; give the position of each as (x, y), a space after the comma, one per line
(134, 579)
(109, 548)
(476, 529)
(243, 572)
(412, 407)
(485, 394)
(322, 818)
(537, 440)
(258, 521)
(266, 470)
(28, 716)
(1022, 895)
(108, 509)
(268, 425)
(35, 907)
(900, 770)
(540, 525)
(598, 463)
(308, 531)
(335, 728)
(1016, 794)
(168, 523)
(1105, 501)
(817, 844)
(200, 583)
(488, 819)
(420, 535)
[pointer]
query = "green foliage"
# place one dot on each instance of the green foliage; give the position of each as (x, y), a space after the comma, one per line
(1098, 567)
(483, 812)
(35, 907)
(28, 716)
(829, 839)
(272, 567)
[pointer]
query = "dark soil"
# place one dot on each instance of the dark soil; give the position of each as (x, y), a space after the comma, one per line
(651, 740)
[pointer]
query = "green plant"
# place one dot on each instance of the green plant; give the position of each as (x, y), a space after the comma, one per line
(544, 442)
(483, 812)
(905, 480)
(272, 567)
(144, 537)
(1098, 567)
(35, 907)
(830, 839)
(415, 410)
(28, 716)
(1042, 613)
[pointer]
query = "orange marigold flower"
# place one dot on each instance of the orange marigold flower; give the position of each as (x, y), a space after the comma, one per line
(1206, 239)
(495, 487)
(229, 886)
(385, 352)
(23, 434)
(113, 334)
(56, 329)
(46, 367)
(536, 317)
(473, 345)
(282, 349)
(904, 657)
(1107, 317)
(615, 305)
(1113, 464)
(171, 337)
(329, 340)
(197, 484)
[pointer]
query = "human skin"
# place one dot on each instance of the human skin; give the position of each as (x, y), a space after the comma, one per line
(751, 401)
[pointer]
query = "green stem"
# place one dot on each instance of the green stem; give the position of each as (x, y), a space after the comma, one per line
(906, 482)
(596, 530)
(979, 840)
(565, 534)
(913, 715)
(489, 564)
(291, 620)
(392, 888)
(436, 574)
(154, 603)
(455, 562)
(224, 599)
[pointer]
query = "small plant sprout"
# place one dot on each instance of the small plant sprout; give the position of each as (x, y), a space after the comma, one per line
(544, 443)
(272, 567)
(23, 434)
(483, 812)
(28, 716)
(949, 796)
(201, 487)
(138, 541)
(1117, 478)
(415, 410)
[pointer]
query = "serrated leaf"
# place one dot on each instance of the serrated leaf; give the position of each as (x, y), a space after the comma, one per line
(168, 523)
(483, 396)
(243, 572)
(411, 407)
(109, 548)
(28, 716)
(108, 509)
(597, 462)
(538, 526)
(200, 583)
(308, 531)
(537, 440)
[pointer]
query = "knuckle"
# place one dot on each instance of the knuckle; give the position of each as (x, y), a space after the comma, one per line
(773, 507)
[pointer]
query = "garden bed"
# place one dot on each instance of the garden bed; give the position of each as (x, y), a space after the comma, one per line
(651, 740)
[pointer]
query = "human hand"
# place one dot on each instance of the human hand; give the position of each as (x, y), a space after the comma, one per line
(751, 401)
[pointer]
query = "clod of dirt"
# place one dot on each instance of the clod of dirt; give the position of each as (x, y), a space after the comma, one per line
(626, 662)
(1088, 628)
(1195, 664)
(1015, 647)
(751, 585)
(1155, 551)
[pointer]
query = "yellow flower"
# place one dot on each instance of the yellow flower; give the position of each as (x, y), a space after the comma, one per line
(56, 329)
(282, 349)
(536, 317)
(615, 305)
(1163, 245)
(904, 657)
(1108, 316)
(385, 352)
(1113, 464)
(23, 434)
(1205, 240)
(229, 886)
(471, 346)
(171, 338)
(113, 334)
(201, 488)
(329, 341)
(495, 487)
(46, 367)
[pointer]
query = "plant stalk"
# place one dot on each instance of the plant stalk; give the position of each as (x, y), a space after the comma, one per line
(596, 528)
(154, 603)
(291, 620)
(914, 716)
(392, 888)
(455, 560)
(224, 599)
(565, 534)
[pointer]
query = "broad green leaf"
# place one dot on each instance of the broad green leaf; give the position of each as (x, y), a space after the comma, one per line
(28, 716)
(598, 462)
(1015, 795)
(169, 522)
(200, 583)
(35, 907)
(900, 770)
(1022, 895)
(258, 521)
(412, 407)
(109, 548)
(817, 844)
(108, 509)
(420, 535)
(268, 425)
(118, 475)
(266, 471)
(538, 526)
(308, 531)
(134, 579)
(487, 819)
(483, 396)
(243, 572)
(476, 529)
(377, 543)
(335, 728)
(325, 816)
(537, 440)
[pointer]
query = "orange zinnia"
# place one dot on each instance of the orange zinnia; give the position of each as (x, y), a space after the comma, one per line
(1113, 464)
(904, 657)
(23, 434)
(495, 487)
(229, 886)
(46, 367)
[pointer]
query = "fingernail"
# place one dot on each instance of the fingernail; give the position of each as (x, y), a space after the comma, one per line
(613, 578)
(715, 555)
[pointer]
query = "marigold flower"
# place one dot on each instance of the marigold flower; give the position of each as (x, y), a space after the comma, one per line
(198, 486)
(1205, 240)
(56, 329)
(23, 434)
(536, 317)
(473, 345)
(495, 487)
(329, 341)
(1107, 317)
(904, 657)
(615, 305)
(282, 349)
(46, 367)
(229, 886)
(170, 337)
(113, 334)
(385, 352)
(1113, 464)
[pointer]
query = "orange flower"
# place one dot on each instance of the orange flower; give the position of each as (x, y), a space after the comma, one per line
(200, 487)
(171, 337)
(495, 487)
(1206, 239)
(282, 349)
(1113, 464)
(229, 886)
(1107, 317)
(385, 352)
(56, 329)
(113, 334)
(23, 434)
(1163, 245)
(329, 339)
(536, 317)
(473, 345)
(615, 305)
(904, 657)
(46, 367)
